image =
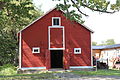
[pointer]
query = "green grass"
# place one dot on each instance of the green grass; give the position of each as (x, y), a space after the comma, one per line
(29, 76)
(9, 72)
(99, 72)
(8, 69)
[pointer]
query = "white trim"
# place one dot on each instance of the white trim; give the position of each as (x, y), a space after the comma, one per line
(56, 48)
(20, 37)
(87, 28)
(63, 38)
(56, 26)
(73, 67)
(27, 68)
(91, 50)
(45, 15)
(59, 21)
(49, 38)
(36, 48)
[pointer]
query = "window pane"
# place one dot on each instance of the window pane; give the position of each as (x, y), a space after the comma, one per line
(55, 21)
(35, 50)
(76, 51)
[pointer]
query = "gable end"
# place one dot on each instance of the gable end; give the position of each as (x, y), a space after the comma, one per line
(48, 13)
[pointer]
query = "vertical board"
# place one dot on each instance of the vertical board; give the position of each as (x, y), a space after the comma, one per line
(47, 56)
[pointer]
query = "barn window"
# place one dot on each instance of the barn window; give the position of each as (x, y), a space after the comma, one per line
(77, 50)
(35, 50)
(55, 21)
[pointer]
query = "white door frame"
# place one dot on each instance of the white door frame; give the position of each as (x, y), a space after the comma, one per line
(49, 38)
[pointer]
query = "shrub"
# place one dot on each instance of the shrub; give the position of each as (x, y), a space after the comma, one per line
(7, 69)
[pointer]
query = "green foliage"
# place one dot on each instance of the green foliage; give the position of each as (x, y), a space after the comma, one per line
(110, 42)
(14, 15)
(8, 47)
(94, 43)
(74, 8)
(98, 4)
(8, 69)
(72, 15)
(17, 14)
(107, 42)
(116, 6)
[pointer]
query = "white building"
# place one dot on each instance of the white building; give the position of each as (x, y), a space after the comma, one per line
(108, 54)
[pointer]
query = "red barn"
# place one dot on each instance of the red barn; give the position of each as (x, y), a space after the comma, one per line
(53, 41)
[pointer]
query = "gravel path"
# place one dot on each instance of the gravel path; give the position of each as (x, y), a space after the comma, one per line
(71, 76)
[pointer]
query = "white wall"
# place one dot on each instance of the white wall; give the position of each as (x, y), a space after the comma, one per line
(109, 54)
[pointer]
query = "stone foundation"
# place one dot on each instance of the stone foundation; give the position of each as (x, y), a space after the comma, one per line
(37, 71)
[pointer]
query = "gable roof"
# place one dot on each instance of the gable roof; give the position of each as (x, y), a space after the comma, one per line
(48, 13)
(106, 46)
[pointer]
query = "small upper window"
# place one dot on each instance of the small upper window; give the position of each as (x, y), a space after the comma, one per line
(77, 50)
(56, 21)
(35, 50)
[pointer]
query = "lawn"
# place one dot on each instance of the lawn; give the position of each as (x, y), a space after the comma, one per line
(99, 72)
(28, 76)
(10, 72)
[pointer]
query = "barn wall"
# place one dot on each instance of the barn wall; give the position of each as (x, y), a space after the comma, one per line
(36, 35)
(78, 37)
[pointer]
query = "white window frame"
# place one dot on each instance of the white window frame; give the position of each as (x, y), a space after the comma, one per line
(56, 18)
(36, 48)
(77, 49)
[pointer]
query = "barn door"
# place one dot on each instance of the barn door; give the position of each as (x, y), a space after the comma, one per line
(56, 58)
(56, 38)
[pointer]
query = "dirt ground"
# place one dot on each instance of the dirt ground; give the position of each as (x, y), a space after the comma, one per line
(70, 76)
(92, 78)
(95, 78)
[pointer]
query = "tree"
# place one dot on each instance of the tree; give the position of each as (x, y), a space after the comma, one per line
(14, 15)
(110, 42)
(107, 42)
(74, 8)
(94, 43)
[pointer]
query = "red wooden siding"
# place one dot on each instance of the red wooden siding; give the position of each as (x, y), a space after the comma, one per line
(79, 38)
(76, 36)
(56, 37)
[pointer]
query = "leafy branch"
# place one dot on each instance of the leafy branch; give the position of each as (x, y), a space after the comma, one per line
(74, 8)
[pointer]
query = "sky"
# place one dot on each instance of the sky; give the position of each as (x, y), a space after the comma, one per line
(105, 26)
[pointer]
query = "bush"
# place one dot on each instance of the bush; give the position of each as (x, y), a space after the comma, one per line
(7, 69)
